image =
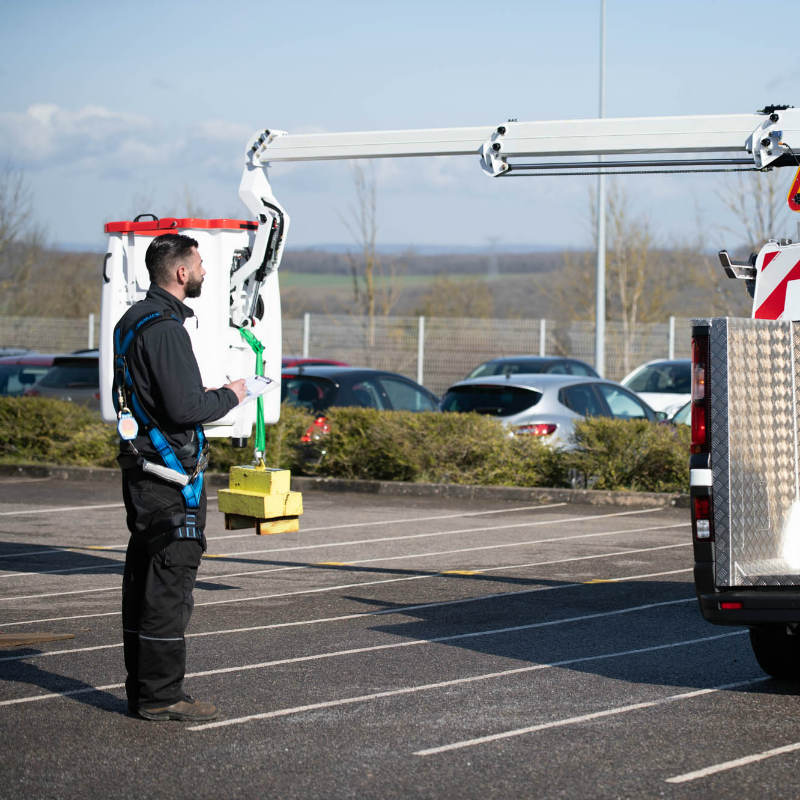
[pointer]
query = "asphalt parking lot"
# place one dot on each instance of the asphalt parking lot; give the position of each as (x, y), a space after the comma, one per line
(395, 647)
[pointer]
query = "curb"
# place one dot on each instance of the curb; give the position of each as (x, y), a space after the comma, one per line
(395, 488)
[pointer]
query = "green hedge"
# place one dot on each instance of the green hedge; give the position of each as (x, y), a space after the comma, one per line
(401, 446)
(40, 430)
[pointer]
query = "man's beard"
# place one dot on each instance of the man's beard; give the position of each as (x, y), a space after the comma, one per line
(194, 287)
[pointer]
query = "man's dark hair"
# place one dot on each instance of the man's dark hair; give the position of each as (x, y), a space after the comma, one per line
(162, 254)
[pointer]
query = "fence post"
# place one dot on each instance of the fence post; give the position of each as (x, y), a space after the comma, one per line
(542, 335)
(91, 332)
(420, 349)
(306, 332)
(671, 351)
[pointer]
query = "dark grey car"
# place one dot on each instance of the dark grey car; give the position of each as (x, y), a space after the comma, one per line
(512, 365)
(75, 378)
(317, 388)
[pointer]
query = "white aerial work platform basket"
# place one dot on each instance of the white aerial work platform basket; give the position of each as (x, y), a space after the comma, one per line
(221, 352)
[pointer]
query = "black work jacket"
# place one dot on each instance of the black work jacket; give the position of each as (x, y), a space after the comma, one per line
(166, 378)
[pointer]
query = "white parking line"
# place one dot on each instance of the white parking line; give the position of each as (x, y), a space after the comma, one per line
(63, 571)
(560, 723)
(388, 558)
(317, 529)
(367, 583)
(224, 556)
(451, 532)
(284, 712)
(361, 614)
(394, 646)
(403, 521)
(59, 509)
(736, 762)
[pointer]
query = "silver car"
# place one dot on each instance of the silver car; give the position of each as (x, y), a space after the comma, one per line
(546, 405)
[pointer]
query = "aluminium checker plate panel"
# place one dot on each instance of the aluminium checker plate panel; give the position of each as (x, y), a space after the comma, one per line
(753, 377)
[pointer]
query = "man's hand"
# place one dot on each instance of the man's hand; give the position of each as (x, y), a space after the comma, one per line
(238, 388)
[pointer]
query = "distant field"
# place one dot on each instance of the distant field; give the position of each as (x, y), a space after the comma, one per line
(309, 280)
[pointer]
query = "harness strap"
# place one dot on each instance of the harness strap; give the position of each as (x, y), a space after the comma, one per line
(193, 489)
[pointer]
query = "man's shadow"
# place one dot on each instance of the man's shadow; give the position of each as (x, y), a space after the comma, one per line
(14, 668)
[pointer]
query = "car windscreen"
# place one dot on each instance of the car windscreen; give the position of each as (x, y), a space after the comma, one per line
(306, 391)
(662, 378)
(73, 374)
(499, 401)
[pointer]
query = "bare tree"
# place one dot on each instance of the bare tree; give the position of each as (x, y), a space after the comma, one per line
(15, 208)
(638, 288)
(21, 240)
(757, 201)
(374, 282)
(447, 297)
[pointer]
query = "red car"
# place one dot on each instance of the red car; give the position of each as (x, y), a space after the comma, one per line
(300, 361)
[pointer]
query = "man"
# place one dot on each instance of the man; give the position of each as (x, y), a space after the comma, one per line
(162, 404)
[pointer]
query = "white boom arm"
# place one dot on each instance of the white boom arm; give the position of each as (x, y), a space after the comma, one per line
(760, 139)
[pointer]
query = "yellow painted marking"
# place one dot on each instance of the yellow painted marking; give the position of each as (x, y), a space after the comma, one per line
(333, 564)
(601, 580)
(459, 572)
(94, 547)
(214, 555)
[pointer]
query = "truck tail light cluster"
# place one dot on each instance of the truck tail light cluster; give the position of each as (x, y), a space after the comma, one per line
(700, 395)
(702, 523)
(700, 461)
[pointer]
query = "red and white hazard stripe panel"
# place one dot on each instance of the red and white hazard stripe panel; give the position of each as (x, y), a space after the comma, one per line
(777, 294)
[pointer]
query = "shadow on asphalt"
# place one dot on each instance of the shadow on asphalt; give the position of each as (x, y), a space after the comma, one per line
(37, 559)
(576, 624)
(30, 673)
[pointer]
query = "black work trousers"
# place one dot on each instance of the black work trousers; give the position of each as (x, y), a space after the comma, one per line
(157, 585)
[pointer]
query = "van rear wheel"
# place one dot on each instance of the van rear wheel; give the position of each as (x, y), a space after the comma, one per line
(776, 650)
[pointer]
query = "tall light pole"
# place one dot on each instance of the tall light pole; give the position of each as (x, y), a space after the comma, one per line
(600, 272)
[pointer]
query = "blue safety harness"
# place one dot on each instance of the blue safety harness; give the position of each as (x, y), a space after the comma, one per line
(125, 399)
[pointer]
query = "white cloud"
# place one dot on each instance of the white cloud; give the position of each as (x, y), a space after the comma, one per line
(45, 132)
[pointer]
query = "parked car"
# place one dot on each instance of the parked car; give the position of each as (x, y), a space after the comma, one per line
(318, 387)
(664, 385)
(511, 365)
(546, 405)
(301, 361)
(74, 377)
(21, 372)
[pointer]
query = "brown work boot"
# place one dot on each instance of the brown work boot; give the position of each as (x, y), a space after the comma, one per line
(186, 710)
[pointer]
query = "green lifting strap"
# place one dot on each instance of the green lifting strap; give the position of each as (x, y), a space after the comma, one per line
(258, 349)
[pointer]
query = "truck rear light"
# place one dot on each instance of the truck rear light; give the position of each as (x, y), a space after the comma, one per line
(536, 429)
(701, 518)
(698, 425)
(700, 394)
(730, 605)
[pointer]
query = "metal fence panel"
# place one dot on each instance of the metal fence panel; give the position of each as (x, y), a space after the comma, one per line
(48, 334)
(452, 346)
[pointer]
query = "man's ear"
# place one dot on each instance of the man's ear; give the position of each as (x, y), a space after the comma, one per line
(180, 273)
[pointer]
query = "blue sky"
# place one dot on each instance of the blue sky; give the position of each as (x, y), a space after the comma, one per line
(117, 109)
